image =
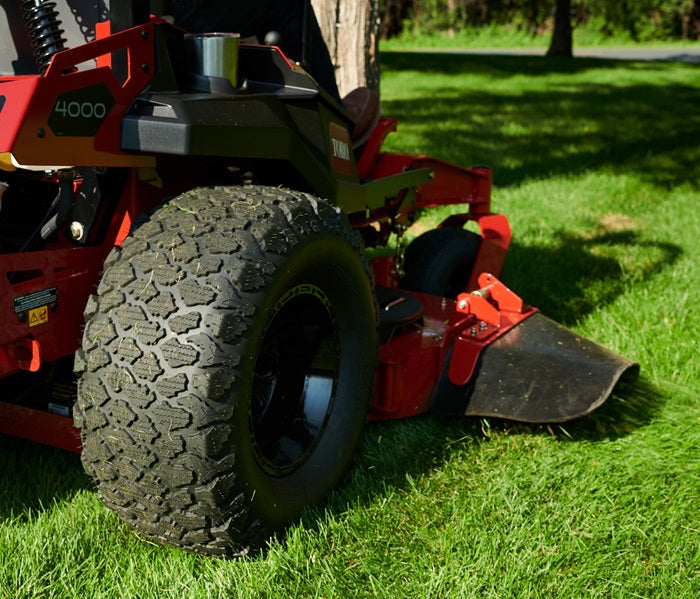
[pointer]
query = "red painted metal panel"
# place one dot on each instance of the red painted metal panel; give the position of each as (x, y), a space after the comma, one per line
(71, 274)
(17, 93)
(36, 143)
(39, 426)
(413, 360)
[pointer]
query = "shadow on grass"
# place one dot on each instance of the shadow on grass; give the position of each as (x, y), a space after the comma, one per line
(565, 126)
(35, 477)
(632, 405)
(396, 453)
(574, 276)
(502, 65)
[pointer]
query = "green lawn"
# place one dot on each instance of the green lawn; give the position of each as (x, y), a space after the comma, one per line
(596, 165)
(512, 36)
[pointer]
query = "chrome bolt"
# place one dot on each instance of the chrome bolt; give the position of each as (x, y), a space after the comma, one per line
(76, 230)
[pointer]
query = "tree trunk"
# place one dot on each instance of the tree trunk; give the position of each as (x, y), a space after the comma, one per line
(351, 30)
(562, 38)
(691, 21)
(391, 21)
(484, 11)
(452, 11)
(533, 15)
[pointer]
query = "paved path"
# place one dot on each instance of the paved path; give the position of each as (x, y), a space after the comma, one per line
(669, 54)
(680, 54)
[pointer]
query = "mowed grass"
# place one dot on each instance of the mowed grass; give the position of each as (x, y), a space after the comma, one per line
(597, 165)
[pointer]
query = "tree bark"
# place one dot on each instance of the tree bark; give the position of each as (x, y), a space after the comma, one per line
(452, 10)
(691, 21)
(484, 11)
(562, 37)
(351, 31)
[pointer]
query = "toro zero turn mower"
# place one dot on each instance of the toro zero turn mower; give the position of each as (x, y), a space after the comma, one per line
(186, 216)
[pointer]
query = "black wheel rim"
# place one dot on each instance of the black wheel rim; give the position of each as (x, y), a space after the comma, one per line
(294, 381)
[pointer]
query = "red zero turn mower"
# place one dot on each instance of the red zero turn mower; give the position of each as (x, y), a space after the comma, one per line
(193, 209)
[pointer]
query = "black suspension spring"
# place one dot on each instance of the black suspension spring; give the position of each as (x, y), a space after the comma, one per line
(44, 29)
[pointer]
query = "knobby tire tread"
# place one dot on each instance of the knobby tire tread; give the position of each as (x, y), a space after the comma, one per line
(162, 344)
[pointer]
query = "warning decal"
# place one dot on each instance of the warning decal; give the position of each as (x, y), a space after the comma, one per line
(38, 316)
(36, 300)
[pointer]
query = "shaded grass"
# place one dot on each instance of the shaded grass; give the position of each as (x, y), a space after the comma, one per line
(535, 117)
(597, 170)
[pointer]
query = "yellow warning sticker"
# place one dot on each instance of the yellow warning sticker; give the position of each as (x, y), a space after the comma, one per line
(38, 316)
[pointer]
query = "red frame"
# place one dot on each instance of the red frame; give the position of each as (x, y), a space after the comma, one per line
(24, 128)
(75, 273)
(411, 363)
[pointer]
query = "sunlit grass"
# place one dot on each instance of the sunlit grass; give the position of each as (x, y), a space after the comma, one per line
(513, 36)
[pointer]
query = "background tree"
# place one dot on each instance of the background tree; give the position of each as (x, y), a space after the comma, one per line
(691, 21)
(641, 20)
(351, 30)
(562, 36)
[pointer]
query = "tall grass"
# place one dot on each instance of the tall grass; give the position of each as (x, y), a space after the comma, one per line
(596, 165)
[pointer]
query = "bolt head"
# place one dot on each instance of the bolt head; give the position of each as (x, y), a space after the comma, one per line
(76, 230)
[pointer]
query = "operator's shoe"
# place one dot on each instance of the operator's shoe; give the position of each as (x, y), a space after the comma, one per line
(363, 105)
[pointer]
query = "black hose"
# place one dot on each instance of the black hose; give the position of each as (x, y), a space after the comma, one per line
(65, 204)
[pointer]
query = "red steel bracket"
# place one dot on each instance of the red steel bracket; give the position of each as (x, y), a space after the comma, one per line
(497, 309)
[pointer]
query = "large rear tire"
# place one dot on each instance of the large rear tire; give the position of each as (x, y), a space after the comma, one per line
(227, 366)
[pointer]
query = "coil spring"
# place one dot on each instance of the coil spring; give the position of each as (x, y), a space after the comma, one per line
(44, 28)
